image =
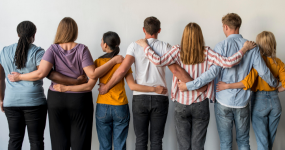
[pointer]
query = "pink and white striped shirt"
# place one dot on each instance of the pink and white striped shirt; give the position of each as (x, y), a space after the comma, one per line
(211, 57)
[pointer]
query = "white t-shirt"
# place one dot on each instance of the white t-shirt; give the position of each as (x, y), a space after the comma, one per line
(146, 72)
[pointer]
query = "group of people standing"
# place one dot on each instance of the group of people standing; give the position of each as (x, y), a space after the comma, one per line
(225, 76)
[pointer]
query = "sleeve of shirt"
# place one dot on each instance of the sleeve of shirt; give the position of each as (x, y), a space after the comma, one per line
(49, 56)
(262, 69)
(87, 59)
(39, 55)
(131, 50)
(225, 62)
(204, 79)
(170, 57)
(282, 73)
(249, 80)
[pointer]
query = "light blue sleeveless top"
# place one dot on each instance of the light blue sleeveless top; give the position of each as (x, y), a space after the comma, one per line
(22, 93)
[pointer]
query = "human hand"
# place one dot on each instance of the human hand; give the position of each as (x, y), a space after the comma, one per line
(14, 77)
(118, 59)
(221, 86)
(182, 86)
(103, 89)
(60, 87)
(248, 45)
(142, 42)
(82, 79)
(160, 89)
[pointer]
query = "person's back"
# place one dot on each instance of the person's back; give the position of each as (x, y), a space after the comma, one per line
(117, 94)
(28, 93)
(146, 72)
(25, 101)
(231, 45)
(68, 62)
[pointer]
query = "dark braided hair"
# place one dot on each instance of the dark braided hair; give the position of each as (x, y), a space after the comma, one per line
(25, 30)
(113, 40)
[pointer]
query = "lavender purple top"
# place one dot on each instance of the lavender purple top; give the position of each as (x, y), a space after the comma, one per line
(68, 62)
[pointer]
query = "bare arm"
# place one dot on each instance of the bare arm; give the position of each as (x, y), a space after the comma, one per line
(118, 75)
(76, 88)
(183, 76)
(180, 73)
(43, 70)
(93, 73)
(2, 86)
(62, 79)
(142, 88)
(223, 86)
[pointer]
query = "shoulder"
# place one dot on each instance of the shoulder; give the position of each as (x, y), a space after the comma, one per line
(279, 62)
(36, 48)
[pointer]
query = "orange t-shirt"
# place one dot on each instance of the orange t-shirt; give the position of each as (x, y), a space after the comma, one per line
(116, 95)
(256, 83)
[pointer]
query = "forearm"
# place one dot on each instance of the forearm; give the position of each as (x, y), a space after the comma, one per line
(62, 79)
(83, 87)
(102, 70)
(180, 73)
(141, 88)
(204, 79)
(238, 85)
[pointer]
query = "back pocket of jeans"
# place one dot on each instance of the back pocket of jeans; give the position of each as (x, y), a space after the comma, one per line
(101, 111)
(122, 111)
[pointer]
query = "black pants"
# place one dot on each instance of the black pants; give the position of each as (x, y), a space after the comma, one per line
(191, 123)
(32, 117)
(70, 120)
(149, 110)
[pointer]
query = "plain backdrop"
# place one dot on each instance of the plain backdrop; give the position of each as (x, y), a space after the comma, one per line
(95, 17)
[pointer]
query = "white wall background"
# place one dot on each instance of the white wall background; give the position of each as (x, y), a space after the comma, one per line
(94, 17)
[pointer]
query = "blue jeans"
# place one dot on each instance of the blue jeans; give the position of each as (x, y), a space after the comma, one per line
(225, 118)
(112, 123)
(266, 111)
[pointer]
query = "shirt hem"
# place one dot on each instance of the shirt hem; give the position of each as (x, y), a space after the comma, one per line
(232, 106)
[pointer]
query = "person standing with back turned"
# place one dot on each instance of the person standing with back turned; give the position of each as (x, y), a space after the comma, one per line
(231, 106)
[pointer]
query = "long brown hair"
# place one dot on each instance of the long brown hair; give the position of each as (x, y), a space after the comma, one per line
(267, 44)
(67, 31)
(192, 45)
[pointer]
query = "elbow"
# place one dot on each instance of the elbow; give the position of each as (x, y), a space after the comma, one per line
(89, 88)
(132, 88)
(122, 72)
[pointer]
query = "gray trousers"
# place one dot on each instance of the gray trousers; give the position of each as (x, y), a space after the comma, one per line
(191, 123)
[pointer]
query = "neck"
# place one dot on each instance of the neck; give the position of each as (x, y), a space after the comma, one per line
(148, 36)
(68, 46)
(233, 32)
(108, 51)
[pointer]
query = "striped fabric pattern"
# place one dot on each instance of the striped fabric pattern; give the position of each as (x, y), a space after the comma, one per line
(211, 57)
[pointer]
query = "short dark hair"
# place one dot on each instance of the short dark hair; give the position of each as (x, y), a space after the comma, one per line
(232, 20)
(151, 25)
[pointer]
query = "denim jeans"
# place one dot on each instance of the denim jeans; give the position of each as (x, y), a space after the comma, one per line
(191, 123)
(34, 118)
(149, 110)
(112, 124)
(266, 111)
(225, 118)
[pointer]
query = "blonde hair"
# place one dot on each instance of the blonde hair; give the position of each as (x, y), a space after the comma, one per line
(232, 20)
(192, 45)
(67, 31)
(267, 44)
